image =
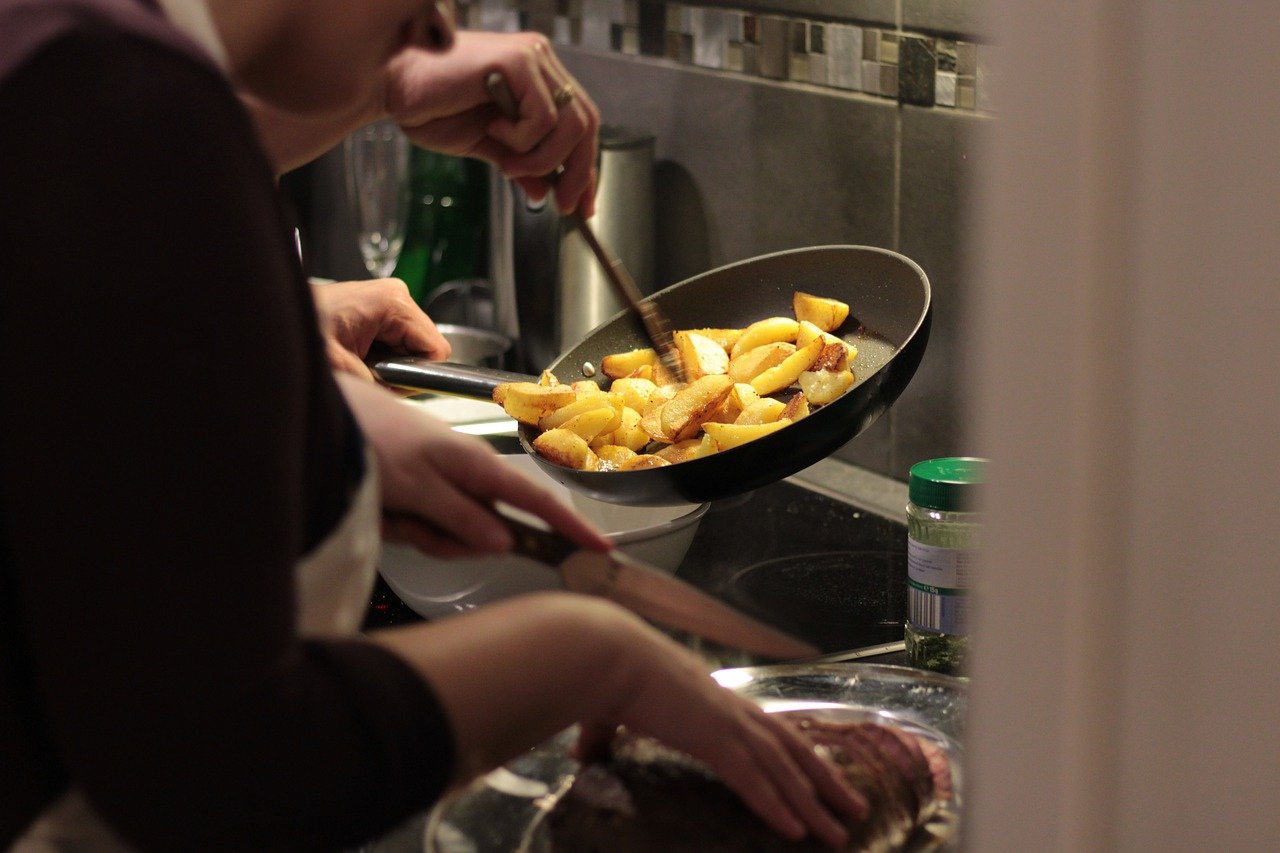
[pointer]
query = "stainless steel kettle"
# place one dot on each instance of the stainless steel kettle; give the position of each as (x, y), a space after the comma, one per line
(549, 289)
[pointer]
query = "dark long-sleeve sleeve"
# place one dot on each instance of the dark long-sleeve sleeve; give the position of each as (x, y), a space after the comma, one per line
(172, 444)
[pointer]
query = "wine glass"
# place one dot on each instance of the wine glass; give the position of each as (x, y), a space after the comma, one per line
(377, 160)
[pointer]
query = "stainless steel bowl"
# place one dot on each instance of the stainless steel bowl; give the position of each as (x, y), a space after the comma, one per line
(476, 347)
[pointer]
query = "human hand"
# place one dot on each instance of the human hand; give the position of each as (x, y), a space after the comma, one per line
(439, 486)
(354, 314)
(442, 103)
(562, 658)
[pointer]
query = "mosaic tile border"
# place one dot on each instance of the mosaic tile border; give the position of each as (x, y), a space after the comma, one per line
(908, 67)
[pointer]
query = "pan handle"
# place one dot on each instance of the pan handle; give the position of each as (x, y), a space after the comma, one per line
(442, 377)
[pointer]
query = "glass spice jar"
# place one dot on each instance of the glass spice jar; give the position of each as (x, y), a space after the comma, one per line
(943, 536)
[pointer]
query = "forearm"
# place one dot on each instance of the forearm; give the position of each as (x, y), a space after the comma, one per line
(515, 673)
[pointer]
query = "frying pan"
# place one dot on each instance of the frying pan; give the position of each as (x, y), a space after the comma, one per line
(889, 314)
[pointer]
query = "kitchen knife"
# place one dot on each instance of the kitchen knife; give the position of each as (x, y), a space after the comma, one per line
(647, 591)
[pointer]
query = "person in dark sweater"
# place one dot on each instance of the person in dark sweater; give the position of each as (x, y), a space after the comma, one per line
(190, 498)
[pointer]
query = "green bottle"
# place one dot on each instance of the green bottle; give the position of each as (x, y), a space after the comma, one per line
(446, 236)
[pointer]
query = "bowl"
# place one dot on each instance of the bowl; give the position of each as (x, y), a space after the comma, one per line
(474, 347)
(434, 587)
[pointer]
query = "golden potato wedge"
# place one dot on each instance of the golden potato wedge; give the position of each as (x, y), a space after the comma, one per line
(684, 414)
(548, 379)
(727, 436)
(651, 424)
(701, 355)
(834, 357)
(797, 407)
(660, 396)
(620, 364)
(822, 386)
(690, 448)
(825, 313)
(739, 398)
(776, 378)
(644, 371)
(634, 391)
(586, 387)
(641, 461)
(556, 418)
(663, 377)
(767, 331)
(527, 402)
(604, 419)
(757, 360)
(628, 434)
(564, 448)
(724, 337)
(612, 456)
(764, 410)
(808, 331)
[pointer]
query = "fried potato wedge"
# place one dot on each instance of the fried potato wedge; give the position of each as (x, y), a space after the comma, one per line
(724, 337)
(834, 357)
(753, 362)
(628, 434)
(765, 331)
(808, 331)
(684, 414)
(776, 378)
(556, 418)
(797, 407)
(825, 313)
(589, 424)
(634, 391)
(527, 402)
(764, 410)
(620, 364)
(727, 436)
(700, 355)
(690, 448)
(651, 424)
(566, 448)
(641, 461)
(822, 386)
(613, 456)
(548, 379)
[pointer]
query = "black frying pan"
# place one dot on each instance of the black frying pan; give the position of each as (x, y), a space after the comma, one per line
(889, 311)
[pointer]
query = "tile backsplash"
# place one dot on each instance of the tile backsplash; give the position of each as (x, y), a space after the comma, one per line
(832, 48)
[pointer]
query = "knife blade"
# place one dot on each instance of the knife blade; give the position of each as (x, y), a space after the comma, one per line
(648, 592)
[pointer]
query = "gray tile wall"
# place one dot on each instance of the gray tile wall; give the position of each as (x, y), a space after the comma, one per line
(747, 166)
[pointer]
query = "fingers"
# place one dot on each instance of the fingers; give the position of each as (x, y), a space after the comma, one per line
(407, 327)
(499, 482)
(343, 359)
(555, 128)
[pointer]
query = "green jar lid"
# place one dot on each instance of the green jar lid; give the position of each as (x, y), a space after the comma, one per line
(949, 484)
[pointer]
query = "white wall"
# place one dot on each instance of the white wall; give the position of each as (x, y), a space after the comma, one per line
(1127, 681)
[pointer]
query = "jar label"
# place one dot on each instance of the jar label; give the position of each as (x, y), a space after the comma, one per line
(937, 580)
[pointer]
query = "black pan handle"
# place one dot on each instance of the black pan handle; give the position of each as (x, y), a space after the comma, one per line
(442, 377)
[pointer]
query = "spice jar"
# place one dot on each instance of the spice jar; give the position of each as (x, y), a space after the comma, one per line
(943, 535)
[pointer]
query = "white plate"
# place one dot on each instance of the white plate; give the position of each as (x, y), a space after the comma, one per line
(435, 587)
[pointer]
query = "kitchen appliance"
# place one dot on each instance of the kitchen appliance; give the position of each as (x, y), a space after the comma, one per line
(889, 300)
(549, 288)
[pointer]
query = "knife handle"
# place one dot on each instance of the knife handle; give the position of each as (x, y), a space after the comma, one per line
(534, 541)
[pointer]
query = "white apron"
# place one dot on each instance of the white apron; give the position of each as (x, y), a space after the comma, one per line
(334, 582)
